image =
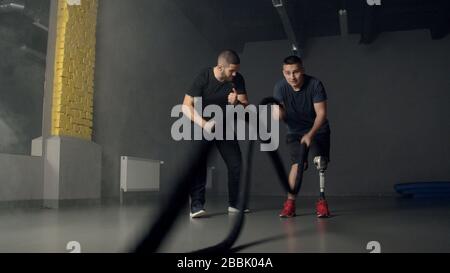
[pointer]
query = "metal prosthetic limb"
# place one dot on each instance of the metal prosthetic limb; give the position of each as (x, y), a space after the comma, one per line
(321, 164)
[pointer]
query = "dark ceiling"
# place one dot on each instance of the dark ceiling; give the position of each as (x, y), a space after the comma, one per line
(232, 23)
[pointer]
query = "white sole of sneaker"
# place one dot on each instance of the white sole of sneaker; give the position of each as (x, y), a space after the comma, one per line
(198, 214)
(234, 210)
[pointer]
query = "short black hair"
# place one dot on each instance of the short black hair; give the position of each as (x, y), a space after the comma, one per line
(293, 60)
(230, 57)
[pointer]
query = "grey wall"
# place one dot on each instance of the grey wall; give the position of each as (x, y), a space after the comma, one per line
(388, 107)
(388, 101)
(21, 178)
(147, 55)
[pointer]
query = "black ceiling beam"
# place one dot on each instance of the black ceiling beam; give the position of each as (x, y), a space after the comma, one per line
(370, 26)
(280, 6)
(440, 23)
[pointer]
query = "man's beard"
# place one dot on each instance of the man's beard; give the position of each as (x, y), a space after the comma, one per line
(228, 79)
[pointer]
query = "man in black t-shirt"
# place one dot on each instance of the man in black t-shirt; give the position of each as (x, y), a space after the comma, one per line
(221, 85)
(303, 106)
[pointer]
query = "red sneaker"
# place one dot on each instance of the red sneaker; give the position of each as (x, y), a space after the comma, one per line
(288, 209)
(322, 209)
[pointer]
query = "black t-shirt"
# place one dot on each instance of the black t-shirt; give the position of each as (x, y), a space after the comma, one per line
(299, 106)
(212, 91)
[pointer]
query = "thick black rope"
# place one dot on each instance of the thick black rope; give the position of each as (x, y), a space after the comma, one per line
(174, 203)
(179, 196)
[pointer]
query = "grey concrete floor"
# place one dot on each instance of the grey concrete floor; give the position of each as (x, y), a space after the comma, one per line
(399, 225)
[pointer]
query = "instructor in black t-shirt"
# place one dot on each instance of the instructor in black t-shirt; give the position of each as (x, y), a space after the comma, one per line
(303, 107)
(221, 85)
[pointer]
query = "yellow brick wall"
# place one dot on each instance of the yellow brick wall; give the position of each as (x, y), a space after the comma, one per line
(73, 87)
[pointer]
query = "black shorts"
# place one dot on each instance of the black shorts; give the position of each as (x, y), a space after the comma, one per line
(319, 147)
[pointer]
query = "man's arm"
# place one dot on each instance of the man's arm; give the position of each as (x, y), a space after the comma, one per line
(234, 98)
(190, 112)
(238, 93)
(243, 100)
(321, 117)
(278, 112)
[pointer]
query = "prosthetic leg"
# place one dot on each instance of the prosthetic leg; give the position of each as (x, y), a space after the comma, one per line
(321, 164)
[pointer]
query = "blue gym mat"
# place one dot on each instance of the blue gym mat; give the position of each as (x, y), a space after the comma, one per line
(434, 189)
